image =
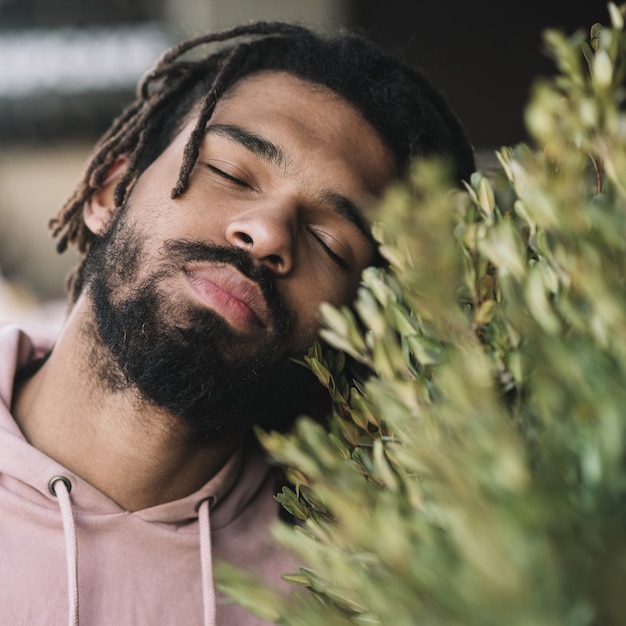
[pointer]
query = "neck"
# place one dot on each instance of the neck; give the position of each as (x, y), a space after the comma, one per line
(135, 453)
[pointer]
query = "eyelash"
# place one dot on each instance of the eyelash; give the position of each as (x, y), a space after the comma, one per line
(329, 251)
(228, 177)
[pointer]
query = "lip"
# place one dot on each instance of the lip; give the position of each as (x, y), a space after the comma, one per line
(223, 289)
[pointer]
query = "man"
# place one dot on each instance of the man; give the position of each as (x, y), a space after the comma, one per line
(216, 214)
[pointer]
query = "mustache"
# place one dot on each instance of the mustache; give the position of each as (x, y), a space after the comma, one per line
(180, 252)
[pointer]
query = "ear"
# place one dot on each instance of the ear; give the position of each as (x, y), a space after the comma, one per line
(98, 211)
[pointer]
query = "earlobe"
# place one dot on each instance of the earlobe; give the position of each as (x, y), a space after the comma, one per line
(98, 211)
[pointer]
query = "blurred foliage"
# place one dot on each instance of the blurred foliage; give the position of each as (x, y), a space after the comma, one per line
(474, 468)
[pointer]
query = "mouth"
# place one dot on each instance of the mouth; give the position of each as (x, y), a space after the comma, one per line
(223, 289)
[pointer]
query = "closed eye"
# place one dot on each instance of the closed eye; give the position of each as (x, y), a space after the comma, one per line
(228, 177)
(340, 261)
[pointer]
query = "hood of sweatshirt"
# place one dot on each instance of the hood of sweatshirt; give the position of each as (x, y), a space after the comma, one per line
(99, 531)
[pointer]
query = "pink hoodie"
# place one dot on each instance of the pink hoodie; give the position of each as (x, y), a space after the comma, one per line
(79, 554)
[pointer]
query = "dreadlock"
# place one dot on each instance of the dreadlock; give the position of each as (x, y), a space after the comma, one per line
(412, 117)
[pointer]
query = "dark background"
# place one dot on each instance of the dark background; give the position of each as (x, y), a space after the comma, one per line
(483, 54)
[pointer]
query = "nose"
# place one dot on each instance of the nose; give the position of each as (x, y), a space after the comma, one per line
(268, 235)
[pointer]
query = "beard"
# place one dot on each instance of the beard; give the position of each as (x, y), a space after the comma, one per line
(185, 358)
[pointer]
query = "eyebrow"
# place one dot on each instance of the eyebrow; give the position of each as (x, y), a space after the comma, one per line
(273, 154)
(259, 146)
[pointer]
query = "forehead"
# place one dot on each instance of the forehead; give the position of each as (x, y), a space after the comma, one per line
(309, 118)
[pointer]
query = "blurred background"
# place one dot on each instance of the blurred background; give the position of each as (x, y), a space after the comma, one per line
(68, 66)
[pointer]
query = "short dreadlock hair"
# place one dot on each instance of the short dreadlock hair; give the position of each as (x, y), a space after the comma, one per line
(411, 116)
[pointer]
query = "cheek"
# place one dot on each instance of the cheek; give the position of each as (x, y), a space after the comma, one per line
(304, 299)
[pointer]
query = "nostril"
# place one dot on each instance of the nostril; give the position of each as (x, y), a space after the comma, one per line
(274, 259)
(245, 237)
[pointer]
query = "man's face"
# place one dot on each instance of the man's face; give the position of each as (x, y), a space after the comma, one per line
(271, 226)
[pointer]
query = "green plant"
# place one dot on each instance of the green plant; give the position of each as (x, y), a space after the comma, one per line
(475, 474)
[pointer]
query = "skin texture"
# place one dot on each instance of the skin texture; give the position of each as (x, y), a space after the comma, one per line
(283, 169)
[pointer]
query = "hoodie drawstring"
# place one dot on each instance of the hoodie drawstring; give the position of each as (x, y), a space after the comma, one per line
(60, 487)
(208, 588)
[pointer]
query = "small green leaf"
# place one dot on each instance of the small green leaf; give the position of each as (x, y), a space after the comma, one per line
(602, 70)
(617, 19)
(587, 53)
